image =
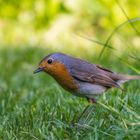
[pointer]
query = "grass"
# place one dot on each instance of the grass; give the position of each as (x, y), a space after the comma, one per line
(36, 107)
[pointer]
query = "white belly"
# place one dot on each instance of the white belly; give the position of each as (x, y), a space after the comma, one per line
(90, 90)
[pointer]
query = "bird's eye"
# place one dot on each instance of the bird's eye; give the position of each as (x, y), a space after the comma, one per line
(50, 61)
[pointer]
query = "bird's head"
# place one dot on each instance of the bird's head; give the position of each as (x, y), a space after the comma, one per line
(52, 64)
(58, 65)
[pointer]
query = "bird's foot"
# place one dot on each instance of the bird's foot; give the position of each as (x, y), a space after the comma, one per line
(92, 100)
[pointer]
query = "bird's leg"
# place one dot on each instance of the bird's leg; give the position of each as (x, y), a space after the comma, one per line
(92, 100)
(86, 108)
(123, 90)
(78, 120)
(85, 115)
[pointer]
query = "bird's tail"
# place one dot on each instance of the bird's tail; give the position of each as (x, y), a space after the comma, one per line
(125, 78)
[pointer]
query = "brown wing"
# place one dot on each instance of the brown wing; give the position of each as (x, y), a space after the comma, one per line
(104, 69)
(99, 76)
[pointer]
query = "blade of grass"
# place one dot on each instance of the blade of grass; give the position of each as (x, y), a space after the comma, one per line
(131, 24)
(96, 41)
(129, 65)
(114, 31)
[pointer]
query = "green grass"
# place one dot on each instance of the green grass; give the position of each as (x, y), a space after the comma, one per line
(36, 107)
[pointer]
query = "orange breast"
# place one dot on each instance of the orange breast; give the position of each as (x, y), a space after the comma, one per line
(62, 76)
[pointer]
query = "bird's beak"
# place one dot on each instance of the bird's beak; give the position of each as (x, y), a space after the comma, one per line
(38, 70)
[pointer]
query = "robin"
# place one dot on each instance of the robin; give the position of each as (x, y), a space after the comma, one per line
(80, 77)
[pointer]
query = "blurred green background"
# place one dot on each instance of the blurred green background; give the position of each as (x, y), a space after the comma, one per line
(55, 22)
(35, 106)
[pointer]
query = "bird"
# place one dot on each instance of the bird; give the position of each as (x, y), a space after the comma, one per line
(80, 77)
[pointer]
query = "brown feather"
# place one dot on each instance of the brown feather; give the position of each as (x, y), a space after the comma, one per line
(102, 76)
(99, 78)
